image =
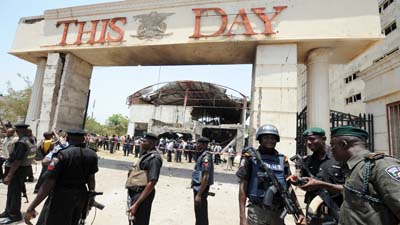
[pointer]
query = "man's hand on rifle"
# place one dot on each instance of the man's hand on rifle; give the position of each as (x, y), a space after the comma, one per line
(133, 209)
(311, 185)
(301, 221)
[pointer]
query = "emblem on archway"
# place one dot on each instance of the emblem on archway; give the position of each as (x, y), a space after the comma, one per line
(152, 26)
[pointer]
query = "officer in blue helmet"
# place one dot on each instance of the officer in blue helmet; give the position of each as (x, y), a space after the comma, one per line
(253, 188)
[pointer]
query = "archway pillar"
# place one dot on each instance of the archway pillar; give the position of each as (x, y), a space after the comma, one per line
(65, 87)
(33, 114)
(318, 106)
(274, 93)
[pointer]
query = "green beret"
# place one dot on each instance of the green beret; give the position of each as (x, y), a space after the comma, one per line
(314, 131)
(349, 131)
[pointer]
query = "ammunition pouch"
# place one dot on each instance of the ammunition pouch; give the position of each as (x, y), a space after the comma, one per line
(269, 196)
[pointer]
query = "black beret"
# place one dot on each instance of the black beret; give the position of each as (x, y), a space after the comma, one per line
(349, 131)
(203, 140)
(47, 133)
(21, 126)
(76, 132)
(151, 136)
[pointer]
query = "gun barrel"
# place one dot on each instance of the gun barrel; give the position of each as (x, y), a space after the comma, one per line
(295, 157)
(98, 205)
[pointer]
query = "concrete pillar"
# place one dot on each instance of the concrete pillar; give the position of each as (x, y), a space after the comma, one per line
(274, 94)
(72, 97)
(318, 107)
(51, 85)
(33, 114)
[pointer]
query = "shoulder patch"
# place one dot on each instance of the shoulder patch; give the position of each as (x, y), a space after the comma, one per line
(52, 164)
(394, 172)
(376, 155)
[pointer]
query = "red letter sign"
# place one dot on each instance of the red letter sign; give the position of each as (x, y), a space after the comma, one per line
(66, 26)
(267, 21)
(198, 13)
(245, 22)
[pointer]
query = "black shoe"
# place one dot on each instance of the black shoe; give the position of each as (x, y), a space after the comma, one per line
(9, 220)
(3, 215)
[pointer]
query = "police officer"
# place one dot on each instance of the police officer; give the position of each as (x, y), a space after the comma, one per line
(326, 169)
(142, 179)
(17, 167)
(202, 179)
(372, 187)
(253, 188)
(69, 177)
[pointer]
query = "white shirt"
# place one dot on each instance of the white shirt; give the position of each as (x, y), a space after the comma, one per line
(8, 145)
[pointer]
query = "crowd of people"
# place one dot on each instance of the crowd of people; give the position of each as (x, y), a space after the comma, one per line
(344, 182)
(173, 149)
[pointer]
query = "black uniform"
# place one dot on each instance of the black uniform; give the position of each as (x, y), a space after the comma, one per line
(151, 162)
(16, 186)
(328, 170)
(204, 163)
(70, 167)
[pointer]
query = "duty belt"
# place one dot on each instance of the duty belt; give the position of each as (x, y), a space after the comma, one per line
(137, 188)
(261, 205)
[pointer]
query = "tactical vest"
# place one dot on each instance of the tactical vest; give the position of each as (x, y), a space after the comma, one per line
(136, 176)
(257, 186)
(197, 173)
(30, 154)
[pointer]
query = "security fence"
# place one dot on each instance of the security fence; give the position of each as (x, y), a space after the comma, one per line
(363, 121)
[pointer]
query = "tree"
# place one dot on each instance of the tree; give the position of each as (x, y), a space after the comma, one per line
(92, 126)
(118, 124)
(15, 103)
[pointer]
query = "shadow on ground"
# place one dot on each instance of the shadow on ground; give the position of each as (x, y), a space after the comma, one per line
(167, 171)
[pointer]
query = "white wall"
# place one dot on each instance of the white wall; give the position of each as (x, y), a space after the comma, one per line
(141, 113)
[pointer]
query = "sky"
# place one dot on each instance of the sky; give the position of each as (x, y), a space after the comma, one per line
(110, 86)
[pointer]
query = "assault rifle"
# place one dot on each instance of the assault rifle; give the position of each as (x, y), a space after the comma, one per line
(89, 203)
(290, 206)
(322, 193)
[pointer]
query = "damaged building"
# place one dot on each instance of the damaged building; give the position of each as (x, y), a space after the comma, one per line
(190, 109)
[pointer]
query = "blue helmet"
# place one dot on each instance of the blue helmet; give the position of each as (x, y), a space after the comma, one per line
(267, 129)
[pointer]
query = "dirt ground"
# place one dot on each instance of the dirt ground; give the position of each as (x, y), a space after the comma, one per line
(173, 203)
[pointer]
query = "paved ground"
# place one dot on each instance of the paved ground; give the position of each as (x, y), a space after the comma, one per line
(173, 204)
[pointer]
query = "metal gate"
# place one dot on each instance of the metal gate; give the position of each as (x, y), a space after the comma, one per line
(363, 121)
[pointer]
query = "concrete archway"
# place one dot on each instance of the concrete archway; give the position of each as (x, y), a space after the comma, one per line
(274, 36)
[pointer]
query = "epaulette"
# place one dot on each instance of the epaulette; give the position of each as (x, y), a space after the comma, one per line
(376, 155)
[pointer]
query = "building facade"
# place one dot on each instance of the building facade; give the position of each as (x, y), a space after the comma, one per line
(274, 36)
(370, 83)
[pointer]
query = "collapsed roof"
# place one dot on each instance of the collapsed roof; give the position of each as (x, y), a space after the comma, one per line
(206, 99)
